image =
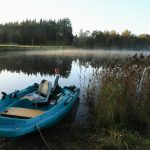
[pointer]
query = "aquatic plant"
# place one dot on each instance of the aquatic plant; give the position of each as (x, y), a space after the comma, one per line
(122, 98)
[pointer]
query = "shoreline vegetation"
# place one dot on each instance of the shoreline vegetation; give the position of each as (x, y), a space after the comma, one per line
(59, 33)
(120, 105)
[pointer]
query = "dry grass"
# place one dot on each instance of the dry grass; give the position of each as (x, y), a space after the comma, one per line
(121, 102)
(123, 95)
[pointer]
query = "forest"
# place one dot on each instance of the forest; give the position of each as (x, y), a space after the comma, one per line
(32, 32)
(112, 40)
(59, 33)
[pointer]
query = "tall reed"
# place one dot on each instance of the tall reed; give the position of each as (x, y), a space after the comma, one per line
(122, 99)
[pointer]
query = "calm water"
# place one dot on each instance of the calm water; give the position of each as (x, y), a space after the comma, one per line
(21, 69)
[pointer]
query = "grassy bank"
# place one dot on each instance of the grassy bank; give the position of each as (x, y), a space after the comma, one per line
(66, 136)
(120, 105)
(4, 48)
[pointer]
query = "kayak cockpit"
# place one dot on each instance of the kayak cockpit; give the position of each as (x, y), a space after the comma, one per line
(26, 108)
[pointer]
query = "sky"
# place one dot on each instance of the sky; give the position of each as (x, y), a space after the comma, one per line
(118, 15)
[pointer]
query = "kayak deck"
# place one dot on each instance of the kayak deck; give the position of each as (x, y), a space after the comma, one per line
(21, 112)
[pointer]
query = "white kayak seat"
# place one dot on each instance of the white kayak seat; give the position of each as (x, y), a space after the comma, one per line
(45, 88)
(42, 93)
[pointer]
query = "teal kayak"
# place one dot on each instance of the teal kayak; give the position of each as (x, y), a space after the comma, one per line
(35, 107)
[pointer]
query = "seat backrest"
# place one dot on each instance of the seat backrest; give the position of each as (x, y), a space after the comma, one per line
(45, 88)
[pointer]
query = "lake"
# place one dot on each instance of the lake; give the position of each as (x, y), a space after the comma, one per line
(21, 69)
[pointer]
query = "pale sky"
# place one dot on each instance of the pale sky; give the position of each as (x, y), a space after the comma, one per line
(86, 14)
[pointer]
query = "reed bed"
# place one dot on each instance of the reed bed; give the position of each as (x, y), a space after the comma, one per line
(119, 98)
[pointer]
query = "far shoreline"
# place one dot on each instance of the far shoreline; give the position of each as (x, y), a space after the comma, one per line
(6, 47)
(16, 47)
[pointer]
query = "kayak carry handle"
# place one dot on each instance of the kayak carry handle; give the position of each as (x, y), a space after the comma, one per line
(68, 101)
(71, 97)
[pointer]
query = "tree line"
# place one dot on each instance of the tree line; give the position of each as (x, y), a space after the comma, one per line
(55, 33)
(112, 40)
(32, 32)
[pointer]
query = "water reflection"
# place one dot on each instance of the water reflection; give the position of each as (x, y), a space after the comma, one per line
(36, 64)
(20, 69)
(43, 63)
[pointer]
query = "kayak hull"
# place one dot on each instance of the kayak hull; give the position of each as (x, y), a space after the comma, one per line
(52, 113)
